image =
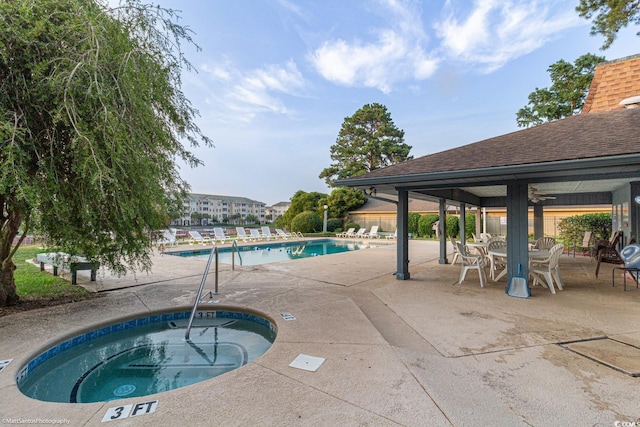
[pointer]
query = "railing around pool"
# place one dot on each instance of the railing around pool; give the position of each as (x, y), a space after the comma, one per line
(214, 254)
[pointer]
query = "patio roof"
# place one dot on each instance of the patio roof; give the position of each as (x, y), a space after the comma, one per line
(579, 159)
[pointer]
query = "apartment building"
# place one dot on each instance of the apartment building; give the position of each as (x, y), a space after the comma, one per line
(277, 210)
(207, 209)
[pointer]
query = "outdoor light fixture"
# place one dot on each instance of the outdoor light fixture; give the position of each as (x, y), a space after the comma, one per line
(637, 199)
(371, 191)
(324, 223)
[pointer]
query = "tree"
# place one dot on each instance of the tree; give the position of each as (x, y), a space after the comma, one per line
(344, 199)
(301, 202)
(92, 119)
(367, 141)
(565, 97)
(610, 16)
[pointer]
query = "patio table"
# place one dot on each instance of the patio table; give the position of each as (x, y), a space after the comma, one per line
(534, 255)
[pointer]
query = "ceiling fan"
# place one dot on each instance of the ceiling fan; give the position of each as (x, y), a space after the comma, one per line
(536, 196)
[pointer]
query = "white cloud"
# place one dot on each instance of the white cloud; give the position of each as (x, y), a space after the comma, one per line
(494, 32)
(247, 93)
(396, 54)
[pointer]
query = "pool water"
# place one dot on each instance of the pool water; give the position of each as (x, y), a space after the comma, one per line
(265, 253)
(148, 359)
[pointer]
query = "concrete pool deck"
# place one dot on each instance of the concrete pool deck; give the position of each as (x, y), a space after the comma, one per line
(421, 352)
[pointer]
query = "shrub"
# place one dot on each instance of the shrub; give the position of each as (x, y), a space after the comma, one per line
(334, 224)
(425, 225)
(453, 226)
(572, 228)
(414, 218)
(469, 225)
(307, 222)
(351, 225)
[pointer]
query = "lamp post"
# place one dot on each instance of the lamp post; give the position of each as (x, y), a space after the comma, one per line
(324, 223)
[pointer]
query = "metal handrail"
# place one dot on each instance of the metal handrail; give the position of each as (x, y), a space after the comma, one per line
(234, 247)
(214, 254)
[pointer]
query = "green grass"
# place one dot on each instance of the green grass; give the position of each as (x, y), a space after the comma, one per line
(31, 283)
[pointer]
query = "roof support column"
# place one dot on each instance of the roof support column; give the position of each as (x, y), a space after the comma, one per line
(402, 272)
(442, 225)
(463, 234)
(517, 230)
(538, 221)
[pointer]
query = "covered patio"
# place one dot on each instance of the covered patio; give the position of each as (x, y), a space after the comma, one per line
(588, 159)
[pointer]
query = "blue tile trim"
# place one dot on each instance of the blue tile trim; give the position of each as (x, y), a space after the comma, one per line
(116, 327)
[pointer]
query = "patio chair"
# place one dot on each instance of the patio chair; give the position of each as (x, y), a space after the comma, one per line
(393, 236)
(242, 234)
(471, 262)
(196, 237)
(168, 239)
(283, 234)
(484, 237)
(360, 233)
(255, 234)
(456, 254)
(347, 233)
(496, 262)
(220, 235)
(547, 271)
(586, 245)
(607, 252)
(266, 233)
(372, 233)
(545, 243)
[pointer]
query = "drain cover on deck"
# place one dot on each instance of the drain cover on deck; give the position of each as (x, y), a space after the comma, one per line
(618, 355)
(307, 363)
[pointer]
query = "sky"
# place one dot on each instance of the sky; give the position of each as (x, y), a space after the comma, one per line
(275, 79)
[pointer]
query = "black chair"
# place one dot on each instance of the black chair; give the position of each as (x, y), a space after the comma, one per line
(607, 251)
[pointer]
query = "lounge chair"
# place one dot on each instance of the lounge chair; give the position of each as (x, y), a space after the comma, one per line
(607, 251)
(361, 232)
(241, 234)
(196, 237)
(348, 233)
(266, 233)
(221, 236)
(372, 233)
(168, 239)
(283, 234)
(255, 234)
(393, 236)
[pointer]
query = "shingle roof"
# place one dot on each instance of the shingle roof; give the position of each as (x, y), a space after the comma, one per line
(585, 136)
(612, 82)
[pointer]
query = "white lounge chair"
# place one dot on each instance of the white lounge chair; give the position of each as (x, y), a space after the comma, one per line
(393, 236)
(360, 233)
(372, 233)
(283, 234)
(266, 233)
(221, 236)
(168, 239)
(196, 237)
(348, 233)
(255, 234)
(241, 234)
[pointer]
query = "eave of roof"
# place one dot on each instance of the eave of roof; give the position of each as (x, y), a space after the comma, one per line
(604, 139)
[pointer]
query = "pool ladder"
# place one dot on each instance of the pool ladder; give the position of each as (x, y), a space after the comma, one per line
(213, 255)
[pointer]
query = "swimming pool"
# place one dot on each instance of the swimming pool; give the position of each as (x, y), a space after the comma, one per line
(278, 251)
(146, 355)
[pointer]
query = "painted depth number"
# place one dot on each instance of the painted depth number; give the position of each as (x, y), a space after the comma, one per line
(133, 410)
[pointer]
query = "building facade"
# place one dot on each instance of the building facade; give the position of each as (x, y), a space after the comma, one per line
(208, 209)
(277, 210)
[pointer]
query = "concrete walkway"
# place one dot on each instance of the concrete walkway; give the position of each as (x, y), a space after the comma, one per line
(422, 352)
